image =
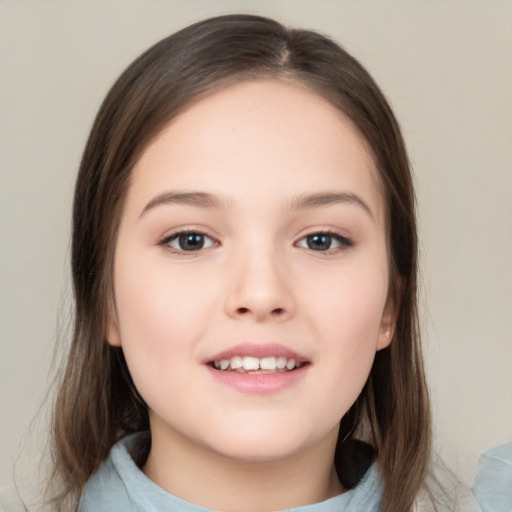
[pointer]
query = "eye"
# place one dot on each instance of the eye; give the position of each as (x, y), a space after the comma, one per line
(189, 241)
(324, 242)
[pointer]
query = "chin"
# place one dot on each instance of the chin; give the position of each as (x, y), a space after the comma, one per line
(251, 453)
(268, 443)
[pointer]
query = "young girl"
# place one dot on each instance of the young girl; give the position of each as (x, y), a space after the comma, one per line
(244, 268)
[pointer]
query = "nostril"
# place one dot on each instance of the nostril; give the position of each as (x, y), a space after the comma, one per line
(274, 312)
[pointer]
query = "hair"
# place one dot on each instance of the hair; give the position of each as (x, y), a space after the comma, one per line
(97, 403)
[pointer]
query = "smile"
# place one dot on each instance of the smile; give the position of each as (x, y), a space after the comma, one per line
(263, 365)
(258, 368)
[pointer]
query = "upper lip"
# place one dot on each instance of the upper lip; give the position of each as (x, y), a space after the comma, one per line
(259, 350)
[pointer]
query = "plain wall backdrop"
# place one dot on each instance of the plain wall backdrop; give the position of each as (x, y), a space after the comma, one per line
(446, 68)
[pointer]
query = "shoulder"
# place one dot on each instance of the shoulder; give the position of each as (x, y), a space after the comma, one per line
(493, 479)
(106, 490)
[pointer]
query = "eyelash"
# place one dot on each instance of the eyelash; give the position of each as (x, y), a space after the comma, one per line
(343, 242)
(187, 233)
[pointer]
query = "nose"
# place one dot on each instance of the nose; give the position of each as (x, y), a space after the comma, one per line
(260, 288)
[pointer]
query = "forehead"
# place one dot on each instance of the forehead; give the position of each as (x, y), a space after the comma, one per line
(259, 136)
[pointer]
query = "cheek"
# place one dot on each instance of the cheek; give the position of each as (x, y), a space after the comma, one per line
(351, 301)
(348, 316)
(161, 315)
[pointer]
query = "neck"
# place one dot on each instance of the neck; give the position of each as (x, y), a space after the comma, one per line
(217, 482)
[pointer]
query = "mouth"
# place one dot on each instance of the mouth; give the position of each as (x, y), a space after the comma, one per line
(257, 365)
(258, 368)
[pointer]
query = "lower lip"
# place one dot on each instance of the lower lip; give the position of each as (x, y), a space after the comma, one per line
(259, 383)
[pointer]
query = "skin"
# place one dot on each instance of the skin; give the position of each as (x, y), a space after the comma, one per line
(257, 147)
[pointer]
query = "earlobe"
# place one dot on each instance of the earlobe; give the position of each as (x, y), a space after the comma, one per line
(385, 338)
(112, 332)
(113, 336)
(387, 328)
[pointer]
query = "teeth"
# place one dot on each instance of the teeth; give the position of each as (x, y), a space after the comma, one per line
(290, 364)
(236, 362)
(281, 362)
(254, 364)
(268, 363)
(251, 363)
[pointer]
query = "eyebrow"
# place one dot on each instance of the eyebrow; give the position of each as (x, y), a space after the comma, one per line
(303, 201)
(199, 199)
(327, 199)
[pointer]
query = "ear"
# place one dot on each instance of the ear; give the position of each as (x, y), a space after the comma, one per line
(113, 336)
(387, 326)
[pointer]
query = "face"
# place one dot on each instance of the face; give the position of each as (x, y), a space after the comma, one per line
(251, 273)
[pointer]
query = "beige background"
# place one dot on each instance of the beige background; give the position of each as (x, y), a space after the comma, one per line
(446, 68)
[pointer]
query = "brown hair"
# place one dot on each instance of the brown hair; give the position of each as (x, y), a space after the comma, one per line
(97, 403)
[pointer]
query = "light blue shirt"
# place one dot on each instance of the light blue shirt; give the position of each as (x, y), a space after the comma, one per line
(493, 480)
(120, 486)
